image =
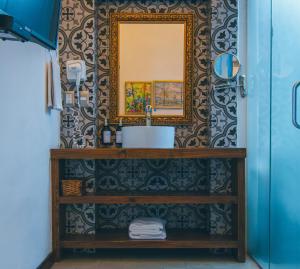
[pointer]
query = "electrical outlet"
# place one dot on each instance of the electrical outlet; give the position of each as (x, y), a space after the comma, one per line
(84, 98)
(69, 99)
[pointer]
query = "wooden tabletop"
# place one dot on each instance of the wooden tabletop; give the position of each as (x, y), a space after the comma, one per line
(122, 153)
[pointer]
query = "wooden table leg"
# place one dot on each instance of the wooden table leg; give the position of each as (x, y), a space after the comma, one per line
(241, 253)
(55, 208)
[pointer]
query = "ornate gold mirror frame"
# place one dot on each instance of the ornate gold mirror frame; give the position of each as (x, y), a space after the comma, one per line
(169, 18)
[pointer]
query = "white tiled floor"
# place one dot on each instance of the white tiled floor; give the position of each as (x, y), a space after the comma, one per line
(153, 263)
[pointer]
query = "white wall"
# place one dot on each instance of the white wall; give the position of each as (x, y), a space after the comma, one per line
(27, 132)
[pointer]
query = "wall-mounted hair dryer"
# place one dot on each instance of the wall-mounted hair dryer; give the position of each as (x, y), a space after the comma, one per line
(76, 72)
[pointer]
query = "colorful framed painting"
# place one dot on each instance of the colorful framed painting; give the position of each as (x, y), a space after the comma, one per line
(168, 94)
(138, 95)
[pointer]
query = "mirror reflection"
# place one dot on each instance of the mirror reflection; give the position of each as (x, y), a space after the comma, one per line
(227, 66)
(151, 65)
(151, 70)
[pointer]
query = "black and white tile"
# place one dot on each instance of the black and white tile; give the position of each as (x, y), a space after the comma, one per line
(223, 103)
(176, 216)
(172, 175)
(77, 42)
(85, 27)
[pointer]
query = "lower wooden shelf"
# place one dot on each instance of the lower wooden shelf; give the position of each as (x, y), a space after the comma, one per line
(180, 198)
(175, 239)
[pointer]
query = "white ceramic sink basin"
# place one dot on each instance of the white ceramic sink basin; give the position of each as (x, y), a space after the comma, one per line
(148, 137)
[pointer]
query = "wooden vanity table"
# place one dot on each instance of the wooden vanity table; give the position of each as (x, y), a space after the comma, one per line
(175, 238)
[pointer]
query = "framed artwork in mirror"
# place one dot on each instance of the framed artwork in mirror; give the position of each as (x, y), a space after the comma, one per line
(138, 95)
(168, 94)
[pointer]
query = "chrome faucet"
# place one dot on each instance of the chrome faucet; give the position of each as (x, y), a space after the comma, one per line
(148, 115)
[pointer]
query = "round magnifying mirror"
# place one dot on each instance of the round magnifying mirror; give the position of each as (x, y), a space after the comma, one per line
(227, 66)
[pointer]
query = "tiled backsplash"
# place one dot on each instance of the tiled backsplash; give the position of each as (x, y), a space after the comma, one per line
(148, 176)
(84, 34)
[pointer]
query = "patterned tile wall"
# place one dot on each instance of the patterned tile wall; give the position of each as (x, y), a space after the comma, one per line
(177, 216)
(172, 175)
(214, 112)
(224, 36)
(195, 135)
(81, 218)
(77, 42)
(84, 34)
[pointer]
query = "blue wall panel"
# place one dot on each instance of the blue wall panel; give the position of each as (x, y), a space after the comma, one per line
(258, 133)
(285, 150)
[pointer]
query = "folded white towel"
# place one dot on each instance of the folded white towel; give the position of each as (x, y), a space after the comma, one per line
(147, 229)
(154, 224)
(159, 236)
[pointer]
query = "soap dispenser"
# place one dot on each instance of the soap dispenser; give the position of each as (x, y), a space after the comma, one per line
(119, 134)
(106, 134)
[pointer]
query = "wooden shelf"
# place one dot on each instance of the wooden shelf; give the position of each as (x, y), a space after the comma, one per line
(119, 153)
(175, 239)
(150, 199)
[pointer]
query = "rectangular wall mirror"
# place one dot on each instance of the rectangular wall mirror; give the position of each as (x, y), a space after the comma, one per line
(151, 64)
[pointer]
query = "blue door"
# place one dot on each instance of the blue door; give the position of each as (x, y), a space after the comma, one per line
(258, 131)
(274, 133)
(285, 136)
